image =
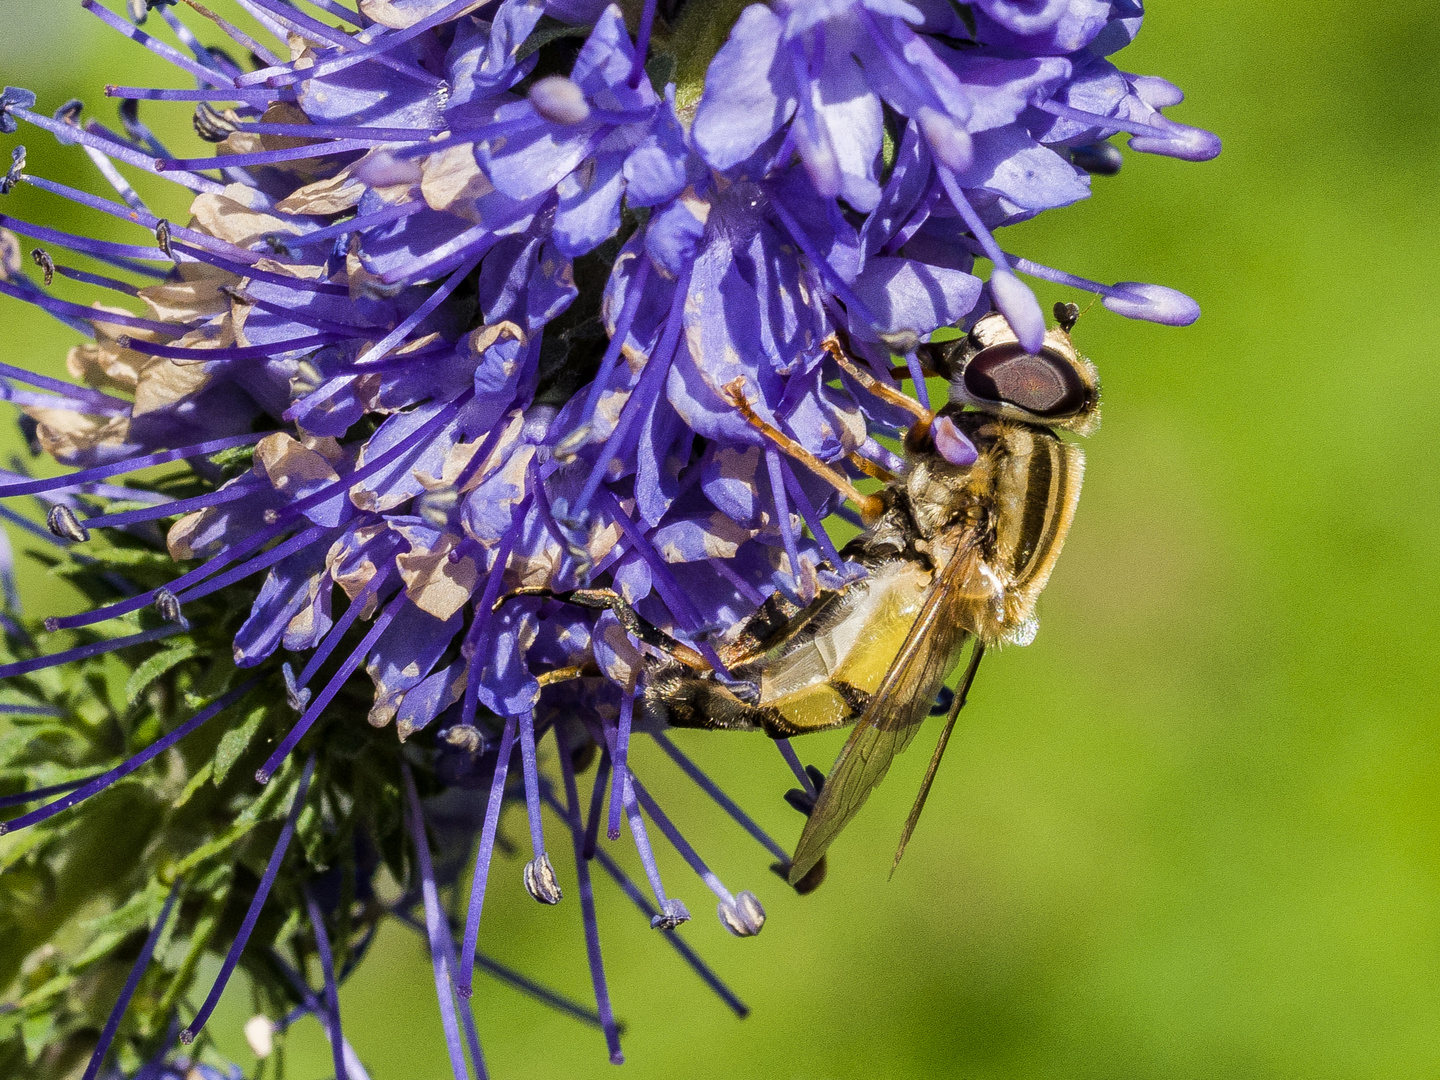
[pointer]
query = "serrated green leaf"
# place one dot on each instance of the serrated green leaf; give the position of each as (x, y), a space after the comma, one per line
(235, 742)
(156, 666)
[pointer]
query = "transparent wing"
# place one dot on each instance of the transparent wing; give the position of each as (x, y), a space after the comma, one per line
(898, 707)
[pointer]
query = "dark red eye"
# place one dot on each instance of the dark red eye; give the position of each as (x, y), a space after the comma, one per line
(1045, 385)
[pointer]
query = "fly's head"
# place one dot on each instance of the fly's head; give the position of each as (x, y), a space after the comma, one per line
(1055, 388)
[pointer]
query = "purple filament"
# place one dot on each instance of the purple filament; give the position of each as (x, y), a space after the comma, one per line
(702, 969)
(36, 794)
(544, 994)
(275, 26)
(264, 157)
(509, 975)
(35, 710)
(357, 223)
(87, 278)
(483, 856)
(313, 535)
(147, 93)
(84, 652)
(597, 803)
(155, 45)
(642, 845)
(332, 688)
(467, 1015)
(485, 609)
(635, 293)
(107, 1036)
(793, 760)
(670, 592)
(219, 496)
(338, 10)
(318, 31)
(200, 573)
(118, 150)
(145, 219)
(853, 303)
(883, 456)
(679, 843)
(245, 269)
(342, 626)
(917, 376)
(373, 48)
(101, 249)
(532, 781)
(247, 925)
(435, 927)
(99, 472)
(184, 353)
(622, 753)
(1112, 123)
(419, 315)
(282, 12)
(971, 218)
(236, 35)
(656, 367)
(104, 402)
(571, 816)
(782, 520)
(88, 314)
(808, 514)
(642, 43)
(441, 258)
(332, 991)
(693, 771)
(312, 1004)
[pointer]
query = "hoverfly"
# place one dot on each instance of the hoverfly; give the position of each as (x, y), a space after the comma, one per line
(954, 554)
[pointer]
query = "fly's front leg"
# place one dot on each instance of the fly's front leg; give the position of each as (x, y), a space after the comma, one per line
(870, 506)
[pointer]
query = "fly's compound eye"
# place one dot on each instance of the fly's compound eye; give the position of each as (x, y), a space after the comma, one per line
(1044, 385)
(1055, 387)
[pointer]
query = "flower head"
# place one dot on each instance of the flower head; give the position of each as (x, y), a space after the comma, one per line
(476, 346)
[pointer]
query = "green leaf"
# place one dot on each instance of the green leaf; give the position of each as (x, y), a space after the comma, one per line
(202, 775)
(156, 666)
(235, 742)
(248, 819)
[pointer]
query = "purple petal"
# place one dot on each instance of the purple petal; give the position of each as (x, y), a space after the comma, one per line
(748, 94)
(1153, 303)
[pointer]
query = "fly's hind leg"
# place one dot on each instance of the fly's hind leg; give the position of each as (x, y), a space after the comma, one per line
(609, 599)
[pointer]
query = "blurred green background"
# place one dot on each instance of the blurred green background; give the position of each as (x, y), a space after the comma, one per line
(1194, 830)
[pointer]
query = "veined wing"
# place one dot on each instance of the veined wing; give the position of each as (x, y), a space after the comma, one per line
(898, 707)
